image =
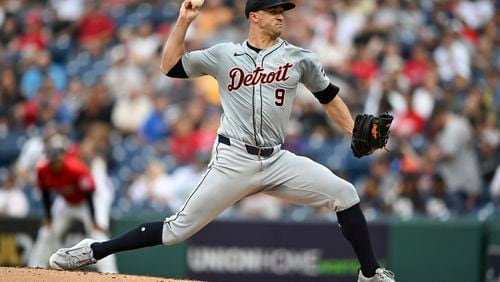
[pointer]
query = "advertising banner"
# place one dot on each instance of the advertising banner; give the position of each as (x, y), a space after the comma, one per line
(272, 251)
(17, 237)
(492, 271)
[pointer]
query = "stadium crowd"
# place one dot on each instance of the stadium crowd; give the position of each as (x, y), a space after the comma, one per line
(90, 70)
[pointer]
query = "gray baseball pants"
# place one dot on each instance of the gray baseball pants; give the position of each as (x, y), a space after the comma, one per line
(234, 173)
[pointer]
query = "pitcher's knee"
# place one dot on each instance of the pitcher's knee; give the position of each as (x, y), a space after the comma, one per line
(173, 235)
(171, 240)
(348, 197)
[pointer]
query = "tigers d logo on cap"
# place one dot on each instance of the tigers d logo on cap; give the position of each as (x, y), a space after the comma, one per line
(257, 5)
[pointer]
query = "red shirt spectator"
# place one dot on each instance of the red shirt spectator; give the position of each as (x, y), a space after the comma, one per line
(96, 25)
(364, 68)
(417, 66)
(408, 124)
(185, 141)
(33, 37)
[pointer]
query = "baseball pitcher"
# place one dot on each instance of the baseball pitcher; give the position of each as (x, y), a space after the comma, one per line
(257, 79)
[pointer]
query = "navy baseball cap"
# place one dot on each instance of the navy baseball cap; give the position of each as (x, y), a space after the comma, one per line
(257, 5)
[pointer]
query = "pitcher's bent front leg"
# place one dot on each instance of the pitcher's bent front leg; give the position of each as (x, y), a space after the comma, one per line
(217, 191)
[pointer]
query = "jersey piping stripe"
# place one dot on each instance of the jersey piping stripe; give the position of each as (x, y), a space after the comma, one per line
(167, 221)
(260, 84)
(253, 104)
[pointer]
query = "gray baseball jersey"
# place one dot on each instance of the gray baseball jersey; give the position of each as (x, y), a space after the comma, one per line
(257, 90)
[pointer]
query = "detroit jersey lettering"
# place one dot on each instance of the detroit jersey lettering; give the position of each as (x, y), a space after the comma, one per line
(257, 89)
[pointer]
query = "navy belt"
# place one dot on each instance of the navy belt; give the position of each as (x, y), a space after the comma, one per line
(258, 151)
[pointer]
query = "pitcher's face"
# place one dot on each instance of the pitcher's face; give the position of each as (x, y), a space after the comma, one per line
(271, 21)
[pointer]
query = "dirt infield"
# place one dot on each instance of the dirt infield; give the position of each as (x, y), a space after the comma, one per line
(11, 274)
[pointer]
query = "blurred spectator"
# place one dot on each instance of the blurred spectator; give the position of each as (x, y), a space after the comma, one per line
(295, 141)
(144, 44)
(214, 17)
(96, 25)
(9, 33)
(34, 36)
(491, 92)
(351, 18)
(417, 66)
(439, 203)
(97, 107)
(13, 201)
(129, 114)
(495, 189)
(319, 144)
(33, 77)
(157, 126)
(311, 117)
(66, 17)
(385, 96)
(68, 10)
(409, 162)
(75, 98)
(489, 153)
(152, 189)
(32, 152)
(452, 58)
(46, 106)
(475, 13)
(457, 162)
(184, 140)
(10, 97)
(184, 179)
(425, 96)
(123, 76)
(260, 206)
(408, 201)
(387, 179)
(364, 67)
(372, 202)
(393, 62)
(408, 123)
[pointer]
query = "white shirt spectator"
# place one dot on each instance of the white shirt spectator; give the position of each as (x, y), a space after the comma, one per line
(13, 201)
(475, 13)
(461, 170)
(423, 102)
(68, 10)
(144, 45)
(495, 185)
(153, 186)
(375, 94)
(129, 114)
(261, 206)
(123, 76)
(452, 60)
(348, 25)
(31, 153)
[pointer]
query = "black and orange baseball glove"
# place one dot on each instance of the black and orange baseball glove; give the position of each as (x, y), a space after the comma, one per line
(370, 133)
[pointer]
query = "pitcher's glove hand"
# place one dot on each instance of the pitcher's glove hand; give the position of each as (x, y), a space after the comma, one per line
(370, 133)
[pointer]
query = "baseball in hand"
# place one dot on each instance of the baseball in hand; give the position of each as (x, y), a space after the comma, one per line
(197, 3)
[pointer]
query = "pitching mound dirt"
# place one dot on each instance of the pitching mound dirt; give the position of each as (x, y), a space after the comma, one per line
(13, 274)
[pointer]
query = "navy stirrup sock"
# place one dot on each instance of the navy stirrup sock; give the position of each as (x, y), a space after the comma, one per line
(353, 225)
(144, 235)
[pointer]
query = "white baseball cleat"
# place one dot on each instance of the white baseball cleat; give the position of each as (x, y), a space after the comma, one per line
(78, 256)
(381, 275)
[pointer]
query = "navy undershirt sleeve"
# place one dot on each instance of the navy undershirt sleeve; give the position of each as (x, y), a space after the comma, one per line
(177, 71)
(327, 95)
